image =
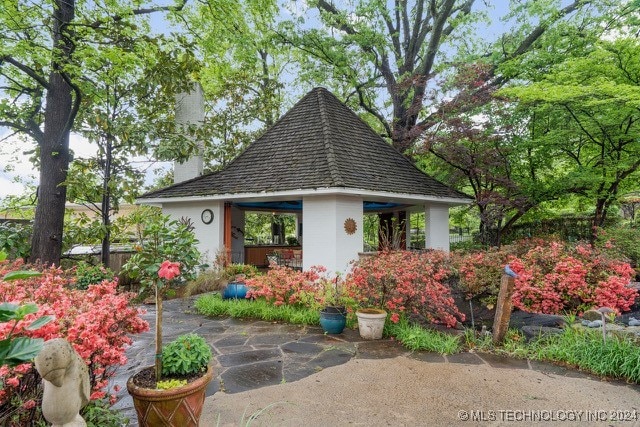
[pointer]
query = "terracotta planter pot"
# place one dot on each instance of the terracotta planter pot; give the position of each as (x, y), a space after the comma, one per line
(180, 406)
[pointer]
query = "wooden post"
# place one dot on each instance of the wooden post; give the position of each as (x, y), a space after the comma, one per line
(503, 308)
(227, 233)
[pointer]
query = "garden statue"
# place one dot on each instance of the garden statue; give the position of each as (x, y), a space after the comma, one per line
(66, 383)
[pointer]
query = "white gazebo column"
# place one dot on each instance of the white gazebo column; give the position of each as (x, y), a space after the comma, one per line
(209, 235)
(325, 240)
(436, 227)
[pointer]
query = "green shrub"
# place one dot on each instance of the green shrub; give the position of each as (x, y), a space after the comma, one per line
(15, 240)
(187, 355)
(87, 274)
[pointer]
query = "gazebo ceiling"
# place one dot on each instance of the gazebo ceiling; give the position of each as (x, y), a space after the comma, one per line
(296, 206)
(318, 145)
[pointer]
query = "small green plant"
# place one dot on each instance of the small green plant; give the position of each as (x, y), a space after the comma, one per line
(187, 355)
(87, 274)
(169, 384)
(98, 413)
(232, 270)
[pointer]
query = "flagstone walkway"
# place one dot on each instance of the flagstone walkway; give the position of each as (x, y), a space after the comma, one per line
(254, 354)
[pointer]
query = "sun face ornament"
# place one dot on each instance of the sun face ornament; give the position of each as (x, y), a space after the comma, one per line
(350, 226)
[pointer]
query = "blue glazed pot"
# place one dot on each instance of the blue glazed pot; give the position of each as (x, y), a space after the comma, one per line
(333, 319)
(235, 291)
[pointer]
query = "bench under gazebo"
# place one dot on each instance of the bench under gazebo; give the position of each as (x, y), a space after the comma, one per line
(321, 163)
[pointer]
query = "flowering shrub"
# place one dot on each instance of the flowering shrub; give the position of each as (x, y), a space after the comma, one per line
(401, 281)
(96, 322)
(284, 286)
(480, 272)
(554, 277)
(559, 278)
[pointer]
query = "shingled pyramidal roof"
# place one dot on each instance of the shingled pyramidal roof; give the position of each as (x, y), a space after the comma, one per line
(319, 143)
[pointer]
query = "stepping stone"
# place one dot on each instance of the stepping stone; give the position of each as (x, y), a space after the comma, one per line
(297, 371)
(330, 358)
(231, 340)
(248, 357)
(301, 348)
(248, 377)
(273, 339)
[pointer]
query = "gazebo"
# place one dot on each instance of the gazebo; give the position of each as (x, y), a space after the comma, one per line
(323, 163)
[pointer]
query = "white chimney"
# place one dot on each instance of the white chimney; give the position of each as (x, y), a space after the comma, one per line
(189, 111)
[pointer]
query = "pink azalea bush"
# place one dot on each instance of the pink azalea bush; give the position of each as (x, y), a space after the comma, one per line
(285, 286)
(96, 322)
(559, 278)
(554, 277)
(405, 282)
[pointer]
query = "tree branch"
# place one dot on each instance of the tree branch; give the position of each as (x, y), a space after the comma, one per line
(25, 69)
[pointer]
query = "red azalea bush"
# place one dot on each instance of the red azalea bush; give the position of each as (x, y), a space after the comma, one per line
(403, 281)
(555, 277)
(96, 322)
(285, 286)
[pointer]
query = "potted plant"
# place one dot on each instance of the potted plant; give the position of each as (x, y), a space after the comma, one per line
(177, 399)
(160, 395)
(333, 316)
(237, 274)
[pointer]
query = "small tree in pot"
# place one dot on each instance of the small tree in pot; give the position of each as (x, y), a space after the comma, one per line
(166, 250)
(178, 400)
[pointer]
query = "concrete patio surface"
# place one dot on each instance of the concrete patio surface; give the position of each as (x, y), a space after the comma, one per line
(295, 375)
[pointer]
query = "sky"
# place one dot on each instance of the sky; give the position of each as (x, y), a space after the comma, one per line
(17, 173)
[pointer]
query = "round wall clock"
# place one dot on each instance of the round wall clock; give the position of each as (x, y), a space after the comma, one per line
(207, 216)
(350, 225)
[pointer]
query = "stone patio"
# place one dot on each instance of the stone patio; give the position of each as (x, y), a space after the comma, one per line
(254, 354)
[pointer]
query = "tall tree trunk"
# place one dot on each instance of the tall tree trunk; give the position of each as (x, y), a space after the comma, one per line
(599, 217)
(46, 242)
(105, 208)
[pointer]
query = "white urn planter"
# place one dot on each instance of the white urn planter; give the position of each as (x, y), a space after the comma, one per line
(371, 323)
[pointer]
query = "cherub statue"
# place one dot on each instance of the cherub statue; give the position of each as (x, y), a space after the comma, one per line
(66, 383)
